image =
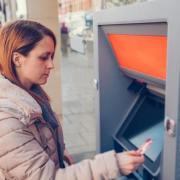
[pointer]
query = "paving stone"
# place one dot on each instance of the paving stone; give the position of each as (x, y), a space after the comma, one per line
(89, 137)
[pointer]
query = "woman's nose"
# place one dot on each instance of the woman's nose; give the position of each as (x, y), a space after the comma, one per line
(50, 64)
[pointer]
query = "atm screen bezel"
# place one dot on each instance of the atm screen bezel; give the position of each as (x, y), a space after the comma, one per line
(153, 167)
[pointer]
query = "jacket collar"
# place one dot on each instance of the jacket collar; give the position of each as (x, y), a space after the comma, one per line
(17, 102)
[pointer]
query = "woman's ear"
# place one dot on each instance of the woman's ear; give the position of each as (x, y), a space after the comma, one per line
(16, 59)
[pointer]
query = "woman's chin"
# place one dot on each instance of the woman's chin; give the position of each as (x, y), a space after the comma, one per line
(43, 82)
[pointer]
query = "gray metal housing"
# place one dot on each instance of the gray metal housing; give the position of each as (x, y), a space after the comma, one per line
(113, 100)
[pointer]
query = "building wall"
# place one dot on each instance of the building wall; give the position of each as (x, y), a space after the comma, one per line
(66, 6)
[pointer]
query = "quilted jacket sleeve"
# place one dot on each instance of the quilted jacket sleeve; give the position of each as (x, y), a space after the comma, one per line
(102, 167)
(22, 158)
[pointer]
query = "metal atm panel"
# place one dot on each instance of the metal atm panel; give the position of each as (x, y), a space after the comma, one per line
(115, 96)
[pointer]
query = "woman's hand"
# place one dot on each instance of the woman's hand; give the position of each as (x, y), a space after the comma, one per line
(68, 158)
(129, 161)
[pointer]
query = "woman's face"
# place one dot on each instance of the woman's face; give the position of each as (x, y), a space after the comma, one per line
(36, 66)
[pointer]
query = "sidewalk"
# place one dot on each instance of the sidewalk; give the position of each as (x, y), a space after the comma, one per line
(78, 104)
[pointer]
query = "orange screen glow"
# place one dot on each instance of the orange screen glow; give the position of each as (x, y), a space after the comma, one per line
(141, 53)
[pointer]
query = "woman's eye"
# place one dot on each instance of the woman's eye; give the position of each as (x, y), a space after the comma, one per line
(44, 58)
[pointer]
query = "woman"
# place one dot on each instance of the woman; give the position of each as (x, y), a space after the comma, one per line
(31, 140)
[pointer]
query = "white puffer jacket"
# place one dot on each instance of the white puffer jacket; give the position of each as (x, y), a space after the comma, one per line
(27, 145)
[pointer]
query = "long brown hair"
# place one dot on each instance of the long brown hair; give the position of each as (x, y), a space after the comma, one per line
(21, 36)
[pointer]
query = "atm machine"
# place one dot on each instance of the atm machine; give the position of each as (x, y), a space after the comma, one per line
(137, 65)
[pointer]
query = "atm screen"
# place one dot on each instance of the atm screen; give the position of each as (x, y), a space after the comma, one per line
(145, 54)
(144, 121)
(147, 122)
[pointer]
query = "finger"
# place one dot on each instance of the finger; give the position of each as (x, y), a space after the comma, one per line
(125, 171)
(134, 153)
(71, 160)
(133, 167)
(136, 159)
